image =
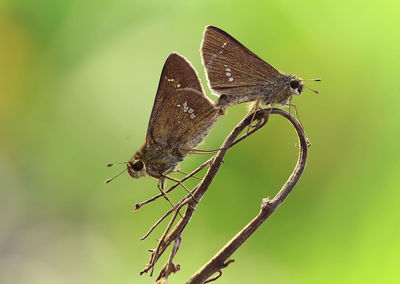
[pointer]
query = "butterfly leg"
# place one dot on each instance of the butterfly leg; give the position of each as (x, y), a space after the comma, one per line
(253, 108)
(290, 104)
(201, 152)
(181, 184)
(297, 114)
(185, 173)
(161, 183)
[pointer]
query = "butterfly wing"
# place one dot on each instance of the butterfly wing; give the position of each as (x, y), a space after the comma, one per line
(182, 114)
(231, 68)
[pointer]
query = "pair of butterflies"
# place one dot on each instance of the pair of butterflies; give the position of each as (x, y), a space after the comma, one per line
(182, 114)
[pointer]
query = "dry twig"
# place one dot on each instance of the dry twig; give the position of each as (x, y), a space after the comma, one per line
(220, 261)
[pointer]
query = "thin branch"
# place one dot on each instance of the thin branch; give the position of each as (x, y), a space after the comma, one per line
(219, 272)
(183, 200)
(215, 277)
(268, 207)
(199, 168)
(170, 266)
(158, 223)
(169, 237)
(218, 262)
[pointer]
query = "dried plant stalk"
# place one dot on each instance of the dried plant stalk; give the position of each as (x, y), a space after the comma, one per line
(220, 260)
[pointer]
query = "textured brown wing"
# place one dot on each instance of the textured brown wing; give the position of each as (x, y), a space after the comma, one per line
(230, 67)
(182, 114)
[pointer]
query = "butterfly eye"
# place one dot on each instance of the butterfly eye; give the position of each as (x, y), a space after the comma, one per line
(137, 166)
(294, 84)
(300, 89)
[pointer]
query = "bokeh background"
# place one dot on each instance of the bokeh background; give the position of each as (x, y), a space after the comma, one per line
(77, 84)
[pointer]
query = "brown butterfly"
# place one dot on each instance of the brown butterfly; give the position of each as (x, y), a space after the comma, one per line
(238, 75)
(181, 117)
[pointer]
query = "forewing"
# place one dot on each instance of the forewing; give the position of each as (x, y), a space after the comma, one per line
(231, 68)
(182, 114)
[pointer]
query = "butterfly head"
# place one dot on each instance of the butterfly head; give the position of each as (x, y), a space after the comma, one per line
(296, 85)
(136, 168)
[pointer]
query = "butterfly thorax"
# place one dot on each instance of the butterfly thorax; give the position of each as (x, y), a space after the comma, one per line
(160, 161)
(279, 93)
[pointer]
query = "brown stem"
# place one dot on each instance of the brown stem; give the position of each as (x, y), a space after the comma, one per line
(267, 208)
(170, 266)
(199, 168)
(169, 236)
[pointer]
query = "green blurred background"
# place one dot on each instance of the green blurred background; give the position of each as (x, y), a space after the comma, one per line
(77, 84)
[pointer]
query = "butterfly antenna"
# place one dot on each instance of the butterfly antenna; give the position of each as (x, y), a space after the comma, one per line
(315, 91)
(110, 165)
(110, 179)
(316, 80)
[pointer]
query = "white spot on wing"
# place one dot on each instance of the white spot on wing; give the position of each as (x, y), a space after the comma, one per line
(227, 69)
(223, 45)
(178, 86)
(185, 107)
(189, 110)
(230, 79)
(228, 74)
